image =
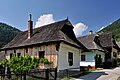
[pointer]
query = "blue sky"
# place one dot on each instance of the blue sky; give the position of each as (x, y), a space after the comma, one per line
(93, 13)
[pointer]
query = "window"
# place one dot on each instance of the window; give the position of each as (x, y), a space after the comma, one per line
(18, 54)
(14, 51)
(41, 54)
(26, 50)
(82, 57)
(11, 54)
(70, 58)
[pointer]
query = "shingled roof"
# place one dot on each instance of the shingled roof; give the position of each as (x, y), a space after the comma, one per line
(57, 31)
(107, 40)
(88, 42)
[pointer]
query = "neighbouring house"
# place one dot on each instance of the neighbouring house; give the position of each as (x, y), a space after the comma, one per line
(56, 42)
(108, 42)
(96, 55)
(118, 43)
(103, 50)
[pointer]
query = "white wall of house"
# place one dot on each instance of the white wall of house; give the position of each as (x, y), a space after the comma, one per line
(51, 54)
(63, 57)
(90, 58)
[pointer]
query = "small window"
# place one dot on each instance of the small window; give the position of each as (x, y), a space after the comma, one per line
(11, 54)
(82, 57)
(14, 51)
(41, 54)
(26, 50)
(70, 58)
(18, 54)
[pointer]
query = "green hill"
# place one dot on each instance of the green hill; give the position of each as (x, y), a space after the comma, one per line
(112, 28)
(7, 33)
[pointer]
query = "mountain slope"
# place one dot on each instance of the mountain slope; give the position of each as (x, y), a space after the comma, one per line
(112, 28)
(7, 33)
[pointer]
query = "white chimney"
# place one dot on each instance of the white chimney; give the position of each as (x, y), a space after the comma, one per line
(90, 32)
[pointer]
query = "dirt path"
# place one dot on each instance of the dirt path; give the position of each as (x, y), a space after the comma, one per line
(105, 74)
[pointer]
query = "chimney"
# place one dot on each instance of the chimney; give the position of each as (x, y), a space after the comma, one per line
(30, 27)
(90, 32)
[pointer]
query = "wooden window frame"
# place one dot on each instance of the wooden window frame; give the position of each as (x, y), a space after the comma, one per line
(83, 57)
(41, 54)
(70, 58)
(11, 54)
(18, 54)
(26, 50)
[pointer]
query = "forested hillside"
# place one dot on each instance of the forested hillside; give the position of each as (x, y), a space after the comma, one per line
(7, 33)
(112, 28)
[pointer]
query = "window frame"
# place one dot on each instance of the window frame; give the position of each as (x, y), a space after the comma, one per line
(41, 54)
(70, 58)
(18, 54)
(11, 55)
(83, 57)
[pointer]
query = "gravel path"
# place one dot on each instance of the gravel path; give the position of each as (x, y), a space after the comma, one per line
(105, 74)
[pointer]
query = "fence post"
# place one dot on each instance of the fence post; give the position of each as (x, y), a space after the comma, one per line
(47, 74)
(67, 72)
(55, 73)
(9, 73)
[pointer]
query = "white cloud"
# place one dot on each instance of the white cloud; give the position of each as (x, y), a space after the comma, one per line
(79, 28)
(44, 20)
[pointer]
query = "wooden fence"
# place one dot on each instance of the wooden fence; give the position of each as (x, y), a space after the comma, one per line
(46, 74)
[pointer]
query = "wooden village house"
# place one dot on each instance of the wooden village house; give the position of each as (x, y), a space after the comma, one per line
(96, 55)
(103, 50)
(56, 42)
(108, 42)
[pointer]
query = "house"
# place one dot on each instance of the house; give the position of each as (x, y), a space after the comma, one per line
(103, 50)
(96, 55)
(118, 43)
(55, 41)
(108, 42)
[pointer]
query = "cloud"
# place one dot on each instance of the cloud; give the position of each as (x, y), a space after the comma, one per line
(44, 20)
(79, 28)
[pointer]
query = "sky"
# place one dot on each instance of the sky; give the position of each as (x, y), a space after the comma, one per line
(85, 15)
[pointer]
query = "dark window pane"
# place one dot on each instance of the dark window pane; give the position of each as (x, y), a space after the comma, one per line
(11, 54)
(82, 57)
(41, 54)
(26, 50)
(70, 58)
(14, 51)
(18, 54)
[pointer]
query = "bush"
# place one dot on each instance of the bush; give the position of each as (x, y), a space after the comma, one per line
(44, 61)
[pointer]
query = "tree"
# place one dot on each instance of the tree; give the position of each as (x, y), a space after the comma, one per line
(23, 64)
